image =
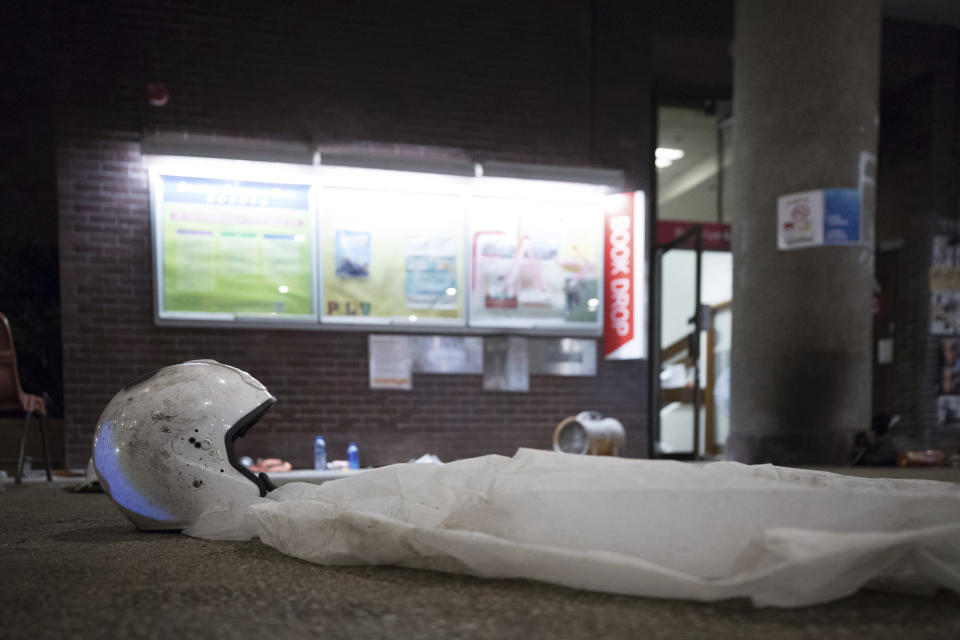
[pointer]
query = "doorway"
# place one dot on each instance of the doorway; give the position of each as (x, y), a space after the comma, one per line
(691, 404)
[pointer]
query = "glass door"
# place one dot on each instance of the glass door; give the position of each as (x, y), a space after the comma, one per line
(693, 394)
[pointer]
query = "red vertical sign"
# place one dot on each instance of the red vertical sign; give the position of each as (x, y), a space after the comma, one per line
(624, 262)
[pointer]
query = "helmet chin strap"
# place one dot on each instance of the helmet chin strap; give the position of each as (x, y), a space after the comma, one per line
(243, 425)
(267, 483)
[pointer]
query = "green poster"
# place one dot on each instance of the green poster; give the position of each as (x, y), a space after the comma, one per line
(243, 248)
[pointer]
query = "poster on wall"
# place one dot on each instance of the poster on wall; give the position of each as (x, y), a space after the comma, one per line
(506, 364)
(227, 248)
(447, 354)
(943, 312)
(390, 362)
(351, 254)
(944, 253)
(431, 272)
(945, 321)
(822, 217)
(800, 220)
(945, 286)
(535, 262)
(624, 255)
(239, 240)
(948, 409)
(390, 255)
(841, 217)
(948, 381)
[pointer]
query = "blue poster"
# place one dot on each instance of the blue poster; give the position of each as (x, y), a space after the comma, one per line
(841, 217)
(351, 254)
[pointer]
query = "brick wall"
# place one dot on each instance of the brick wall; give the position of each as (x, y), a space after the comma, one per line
(29, 290)
(499, 80)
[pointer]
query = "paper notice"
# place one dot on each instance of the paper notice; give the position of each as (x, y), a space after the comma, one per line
(391, 366)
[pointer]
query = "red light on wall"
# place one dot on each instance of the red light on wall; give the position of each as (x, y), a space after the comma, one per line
(157, 94)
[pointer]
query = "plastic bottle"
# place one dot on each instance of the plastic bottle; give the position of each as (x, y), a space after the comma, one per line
(353, 456)
(320, 454)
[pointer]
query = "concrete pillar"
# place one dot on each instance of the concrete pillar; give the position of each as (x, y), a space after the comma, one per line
(806, 91)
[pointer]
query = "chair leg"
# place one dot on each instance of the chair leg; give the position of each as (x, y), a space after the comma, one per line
(23, 446)
(46, 451)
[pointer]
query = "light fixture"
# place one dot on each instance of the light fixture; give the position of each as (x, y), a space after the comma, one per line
(665, 156)
(452, 291)
(283, 288)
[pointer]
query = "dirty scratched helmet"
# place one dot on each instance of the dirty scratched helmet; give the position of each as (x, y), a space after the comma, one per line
(163, 448)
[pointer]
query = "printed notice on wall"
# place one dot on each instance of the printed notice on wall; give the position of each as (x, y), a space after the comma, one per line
(535, 262)
(945, 286)
(841, 217)
(391, 365)
(506, 364)
(431, 272)
(447, 354)
(800, 220)
(352, 253)
(948, 381)
(823, 217)
(230, 248)
(391, 256)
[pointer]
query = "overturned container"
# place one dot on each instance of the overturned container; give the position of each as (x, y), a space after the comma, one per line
(589, 432)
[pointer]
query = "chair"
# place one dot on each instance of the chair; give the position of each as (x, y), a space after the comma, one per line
(13, 398)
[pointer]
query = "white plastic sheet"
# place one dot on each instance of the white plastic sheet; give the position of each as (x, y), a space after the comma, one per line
(781, 537)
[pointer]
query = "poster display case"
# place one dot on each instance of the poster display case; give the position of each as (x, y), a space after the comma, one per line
(240, 243)
(535, 254)
(392, 248)
(233, 243)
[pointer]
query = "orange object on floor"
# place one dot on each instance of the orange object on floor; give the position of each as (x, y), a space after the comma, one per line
(270, 465)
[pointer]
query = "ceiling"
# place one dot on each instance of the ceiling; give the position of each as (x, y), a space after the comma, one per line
(687, 189)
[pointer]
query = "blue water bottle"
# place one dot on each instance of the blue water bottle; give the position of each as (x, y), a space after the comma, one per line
(353, 456)
(320, 454)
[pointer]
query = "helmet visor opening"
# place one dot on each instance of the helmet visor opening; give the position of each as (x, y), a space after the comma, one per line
(237, 431)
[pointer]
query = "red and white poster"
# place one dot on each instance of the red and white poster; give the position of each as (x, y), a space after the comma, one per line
(625, 277)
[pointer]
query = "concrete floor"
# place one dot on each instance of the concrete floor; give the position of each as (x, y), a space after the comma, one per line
(72, 567)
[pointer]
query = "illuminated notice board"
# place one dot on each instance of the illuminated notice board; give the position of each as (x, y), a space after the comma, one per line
(228, 249)
(535, 251)
(392, 247)
(241, 243)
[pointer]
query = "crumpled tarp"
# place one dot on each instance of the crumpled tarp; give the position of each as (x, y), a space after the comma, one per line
(781, 537)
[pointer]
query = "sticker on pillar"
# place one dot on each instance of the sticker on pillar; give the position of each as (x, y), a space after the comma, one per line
(800, 220)
(841, 217)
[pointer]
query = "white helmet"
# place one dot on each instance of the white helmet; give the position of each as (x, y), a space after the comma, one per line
(163, 448)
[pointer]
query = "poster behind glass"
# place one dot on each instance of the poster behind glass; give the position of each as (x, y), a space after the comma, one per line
(535, 263)
(229, 249)
(390, 255)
